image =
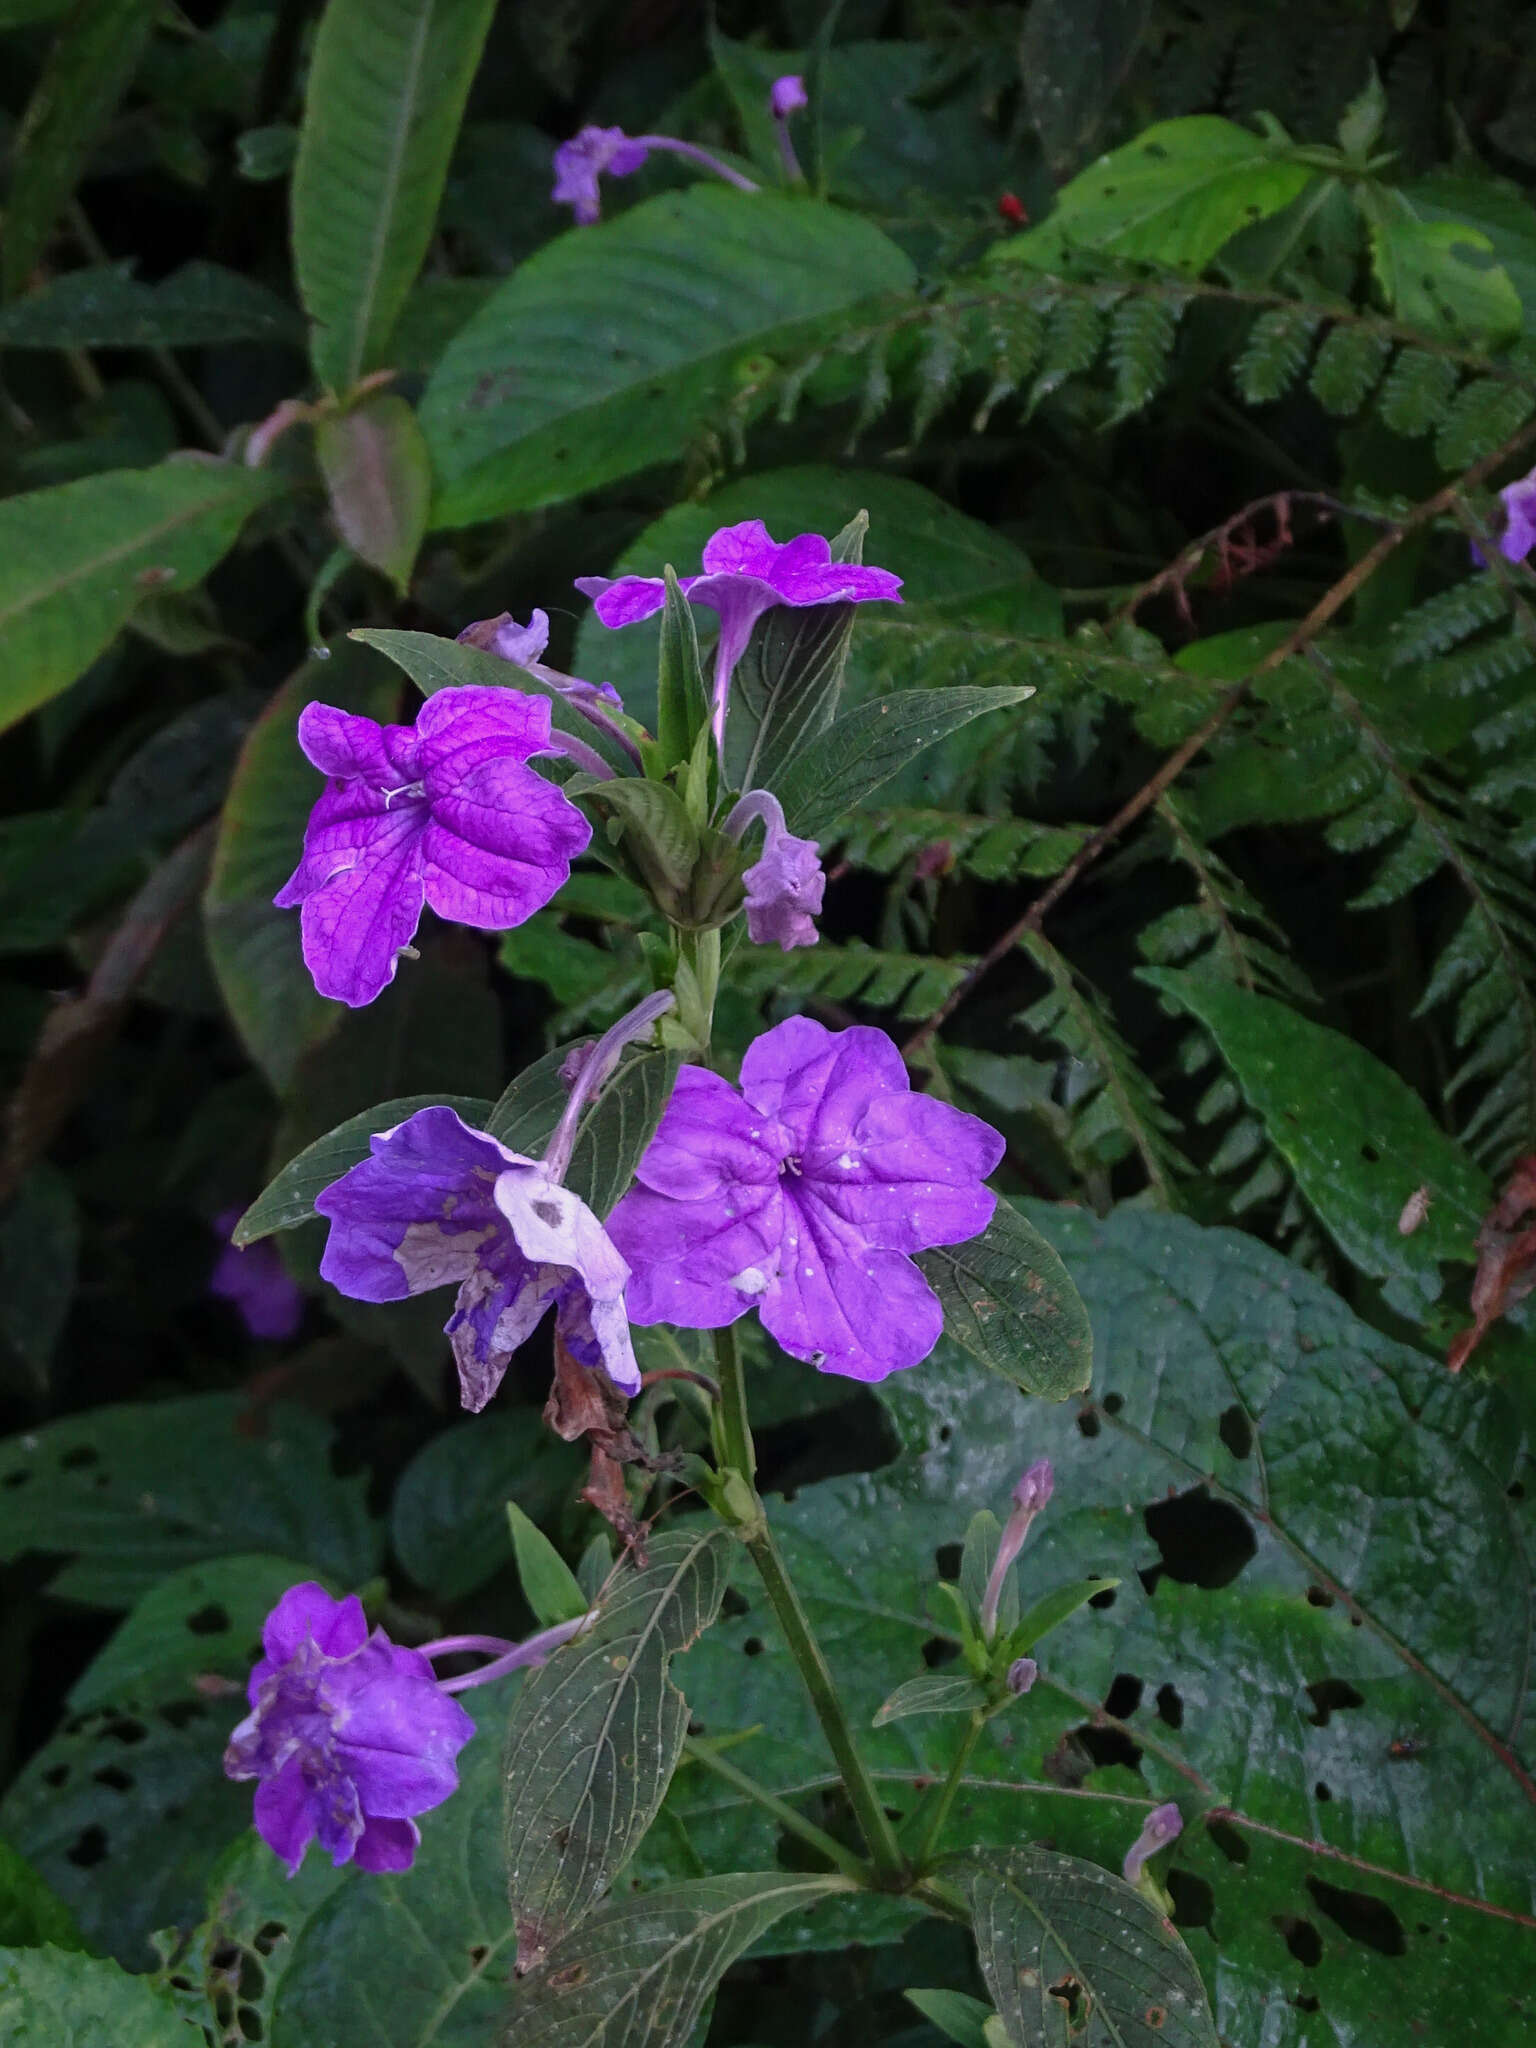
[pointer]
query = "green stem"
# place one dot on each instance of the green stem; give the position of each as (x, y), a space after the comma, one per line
(946, 1799)
(794, 1823)
(874, 1822)
(735, 1425)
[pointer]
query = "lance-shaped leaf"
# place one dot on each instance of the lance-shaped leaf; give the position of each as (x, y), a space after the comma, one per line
(682, 699)
(1072, 1953)
(387, 86)
(615, 1127)
(596, 1734)
(636, 1975)
(1010, 1301)
(931, 1694)
(379, 478)
(289, 1199)
(76, 559)
(867, 746)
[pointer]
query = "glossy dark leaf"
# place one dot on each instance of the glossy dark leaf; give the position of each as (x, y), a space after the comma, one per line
(289, 1199)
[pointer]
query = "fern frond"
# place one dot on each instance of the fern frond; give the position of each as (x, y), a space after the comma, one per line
(1416, 397)
(1141, 339)
(1279, 343)
(1074, 335)
(938, 372)
(909, 985)
(1226, 930)
(991, 849)
(1481, 418)
(1348, 366)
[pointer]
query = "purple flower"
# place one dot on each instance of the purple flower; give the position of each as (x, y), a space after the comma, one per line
(1030, 1495)
(803, 1195)
(784, 888)
(1519, 535)
(787, 96)
(438, 1205)
(1162, 1826)
(348, 1735)
(445, 812)
(746, 573)
(268, 1301)
(594, 152)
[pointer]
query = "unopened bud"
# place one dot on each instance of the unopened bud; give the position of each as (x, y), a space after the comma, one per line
(1022, 1673)
(1029, 1497)
(1162, 1825)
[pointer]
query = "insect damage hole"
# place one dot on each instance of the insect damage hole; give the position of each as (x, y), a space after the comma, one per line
(1201, 1541)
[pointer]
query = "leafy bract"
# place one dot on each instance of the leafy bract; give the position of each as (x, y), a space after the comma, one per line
(75, 560)
(614, 345)
(1071, 1953)
(387, 87)
(1352, 1491)
(596, 1733)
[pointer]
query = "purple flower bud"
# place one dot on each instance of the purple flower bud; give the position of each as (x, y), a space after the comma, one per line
(1161, 1826)
(1029, 1497)
(1022, 1673)
(349, 1736)
(254, 1279)
(787, 96)
(784, 888)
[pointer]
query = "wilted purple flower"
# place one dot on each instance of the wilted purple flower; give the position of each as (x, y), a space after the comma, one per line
(1519, 535)
(802, 1195)
(524, 647)
(787, 96)
(268, 1300)
(595, 152)
(349, 1736)
(438, 1204)
(1029, 1497)
(1162, 1825)
(785, 887)
(1022, 1673)
(746, 573)
(445, 812)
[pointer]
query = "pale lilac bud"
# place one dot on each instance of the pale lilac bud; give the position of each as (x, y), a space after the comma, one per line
(1162, 1825)
(784, 887)
(1022, 1673)
(787, 96)
(1029, 1497)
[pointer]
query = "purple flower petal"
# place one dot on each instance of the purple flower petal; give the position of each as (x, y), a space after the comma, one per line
(787, 96)
(254, 1279)
(589, 154)
(387, 1845)
(844, 1309)
(283, 1818)
(1519, 535)
(307, 1613)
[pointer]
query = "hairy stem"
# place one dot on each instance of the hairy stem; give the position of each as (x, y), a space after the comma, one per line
(794, 1823)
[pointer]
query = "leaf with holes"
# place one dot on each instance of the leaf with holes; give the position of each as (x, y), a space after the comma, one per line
(1336, 1542)
(1009, 1301)
(1071, 1953)
(640, 1970)
(133, 1492)
(596, 1734)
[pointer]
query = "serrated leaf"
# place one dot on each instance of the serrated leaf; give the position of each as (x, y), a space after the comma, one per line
(1009, 1301)
(637, 1973)
(605, 1726)
(933, 1694)
(89, 67)
(609, 349)
(865, 747)
(387, 86)
(289, 1199)
(379, 479)
(1347, 365)
(1357, 1138)
(76, 559)
(549, 1585)
(1071, 1953)
(53, 1998)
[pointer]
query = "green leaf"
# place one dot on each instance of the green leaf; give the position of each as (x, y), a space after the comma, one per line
(1174, 196)
(89, 69)
(253, 947)
(1008, 1299)
(1053, 1610)
(865, 747)
(640, 1970)
(107, 307)
(549, 1585)
(957, 2016)
(613, 346)
(615, 1130)
(931, 1694)
(607, 1726)
(387, 86)
(433, 663)
(39, 1257)
(290, 1198)
(32, 1914)
(1438, 276)
(134, 1491)
(50, 1998)
(202, 1620)
(1073, 55)
(76, 559)
(681, 695)
(1044, 1921)
(529, 1107)
(661, 837)
(447, 1522)
(379, 478)
(1357, 1138)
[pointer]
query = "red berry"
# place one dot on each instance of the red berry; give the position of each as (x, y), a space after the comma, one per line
(1011, 207)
